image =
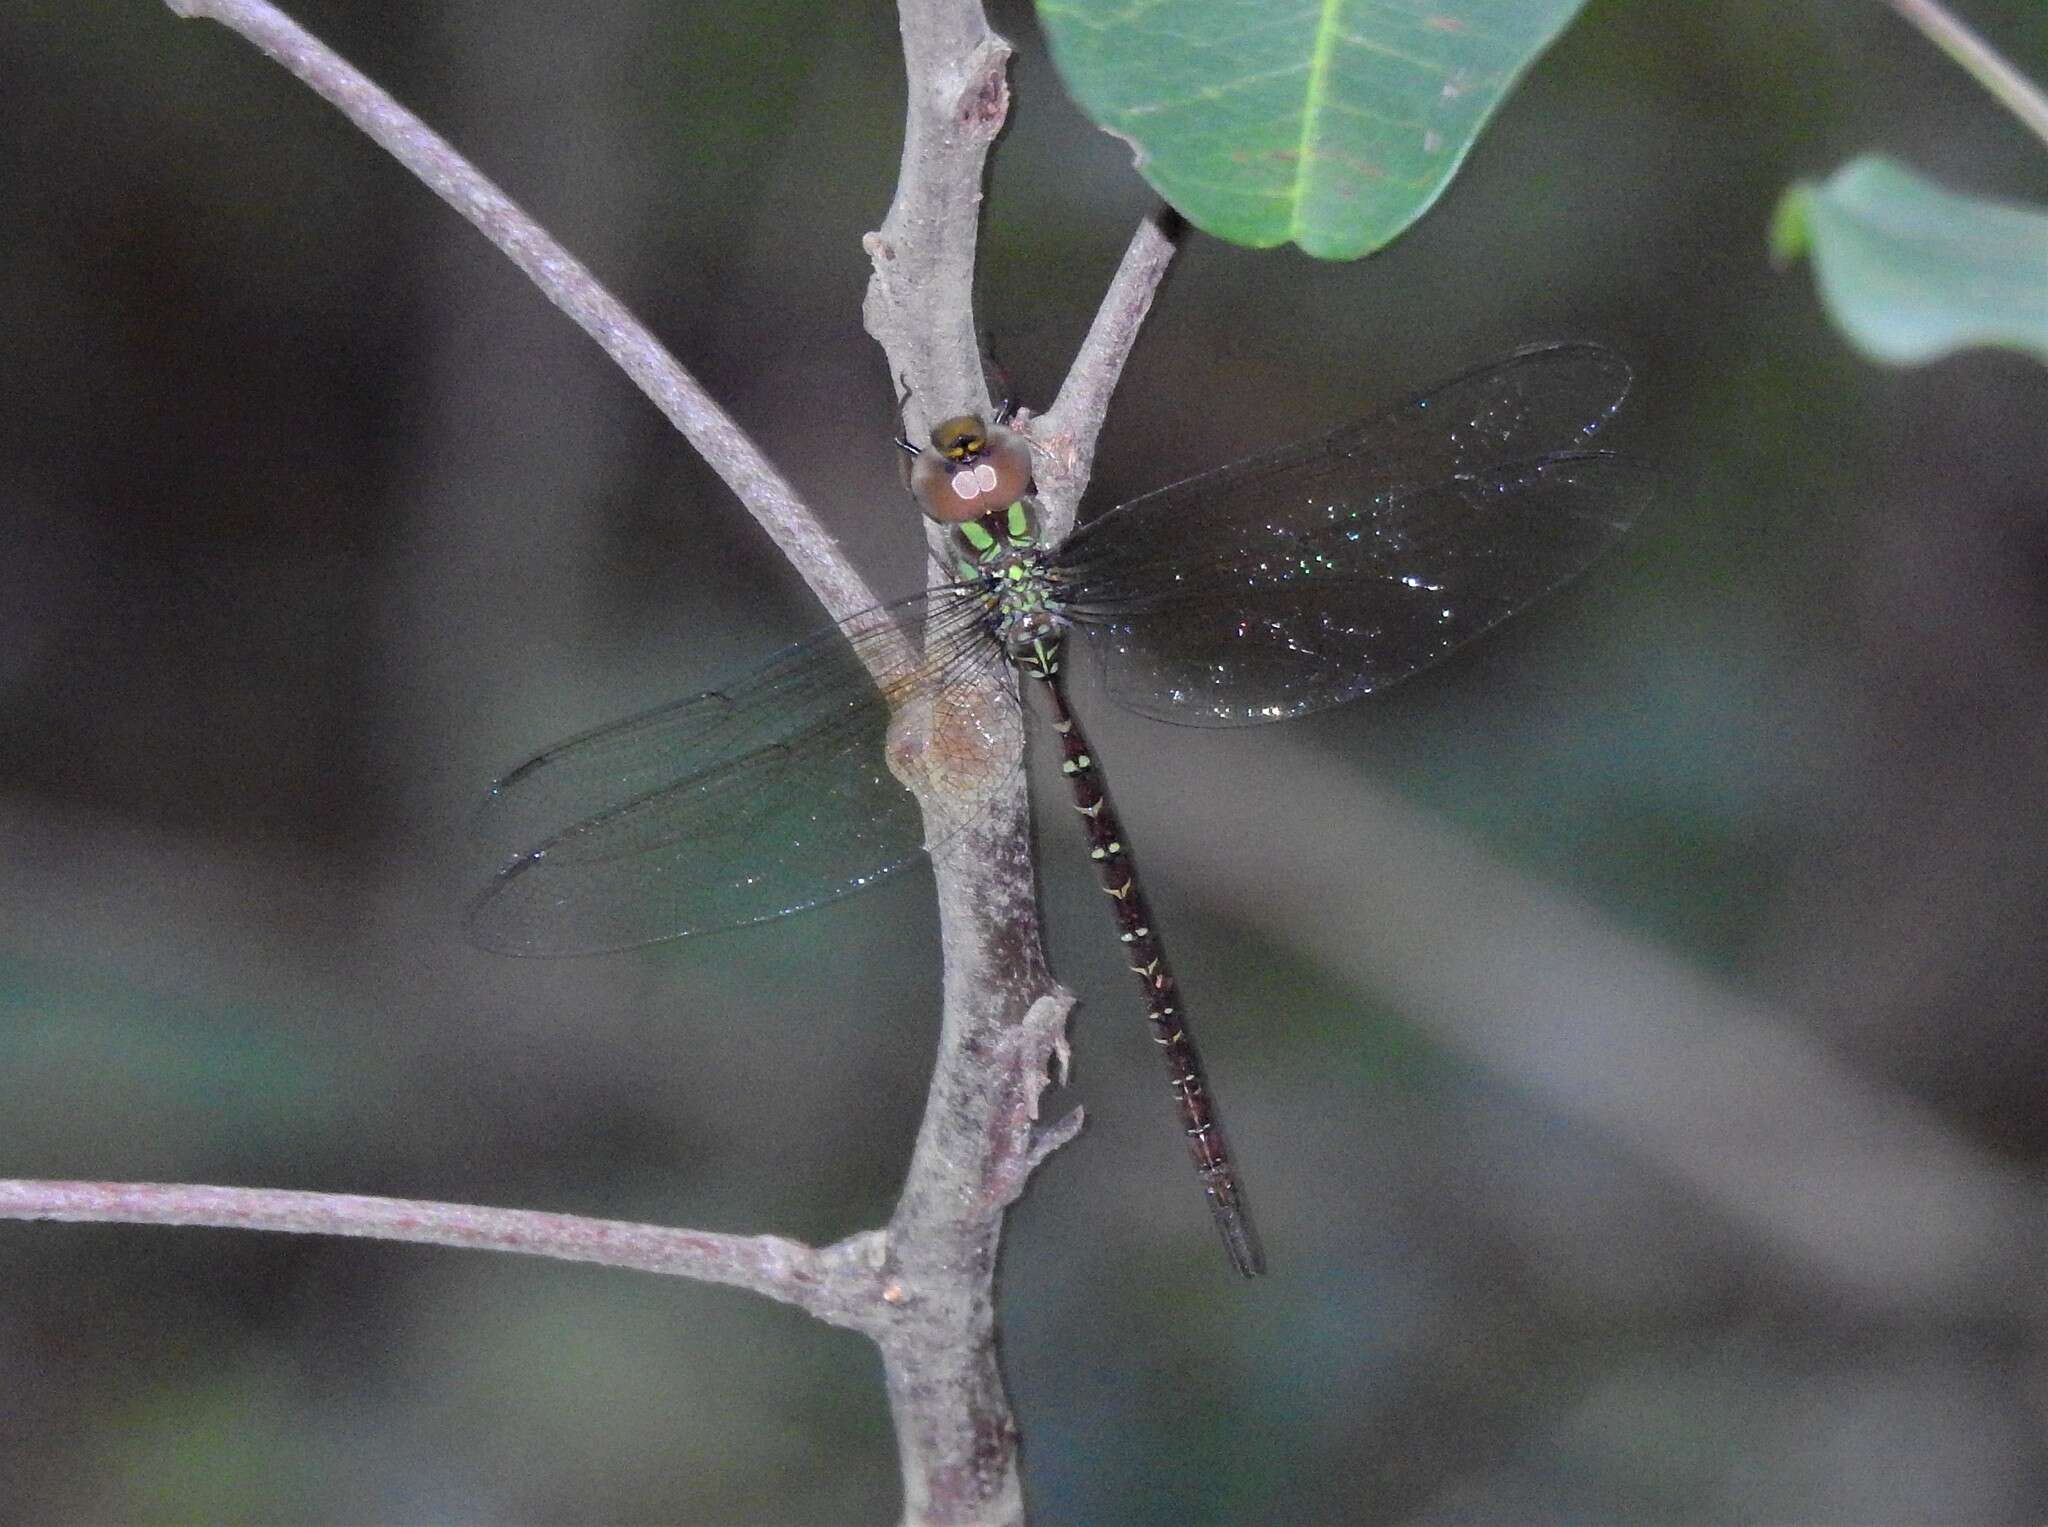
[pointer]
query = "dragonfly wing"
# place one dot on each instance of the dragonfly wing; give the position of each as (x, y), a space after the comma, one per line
(1537, 402)
(757, 799)
(1347, 591)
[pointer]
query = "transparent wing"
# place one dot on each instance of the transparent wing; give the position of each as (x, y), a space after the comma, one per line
(765, 796)
(1308, 618)
(1316, 573)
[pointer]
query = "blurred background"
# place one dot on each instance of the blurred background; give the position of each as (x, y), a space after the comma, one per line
(1632, 1031)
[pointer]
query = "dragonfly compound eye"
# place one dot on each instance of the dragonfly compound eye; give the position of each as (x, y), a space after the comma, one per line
(970, 483)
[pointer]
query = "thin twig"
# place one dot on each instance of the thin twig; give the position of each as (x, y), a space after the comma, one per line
(1065, 434)
(2008, 86)
(831, 1284)
(565, 282)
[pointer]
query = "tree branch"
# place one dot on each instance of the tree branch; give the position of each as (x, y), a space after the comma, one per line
(920, 300)
(2012, 89)
(1003, 1018)
(565, 282)
(1065, 433)
(840, 1284)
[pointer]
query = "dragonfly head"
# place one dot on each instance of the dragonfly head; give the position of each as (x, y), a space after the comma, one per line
(970, 470)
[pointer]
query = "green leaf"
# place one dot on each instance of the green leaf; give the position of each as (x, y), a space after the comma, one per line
(1911, 272)
(1333, 125)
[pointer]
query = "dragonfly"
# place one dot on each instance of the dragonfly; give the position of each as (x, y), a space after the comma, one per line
(1295, 580)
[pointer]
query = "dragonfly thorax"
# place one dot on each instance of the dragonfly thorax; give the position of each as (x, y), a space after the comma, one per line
(1001, 554)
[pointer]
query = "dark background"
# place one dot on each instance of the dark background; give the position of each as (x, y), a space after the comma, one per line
(1632, 1031)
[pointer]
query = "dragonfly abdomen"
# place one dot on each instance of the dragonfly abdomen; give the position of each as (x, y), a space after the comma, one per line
(1146, 956)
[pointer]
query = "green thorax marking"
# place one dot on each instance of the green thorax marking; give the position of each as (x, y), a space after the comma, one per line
(1002, 553)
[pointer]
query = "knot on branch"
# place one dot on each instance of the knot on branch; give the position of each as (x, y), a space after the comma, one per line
(1037, 1055)
(982, 104)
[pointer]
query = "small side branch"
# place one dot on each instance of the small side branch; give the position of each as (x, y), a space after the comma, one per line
(839, 1284)
(565, 281)
(1065, 433)
(2012, 89)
